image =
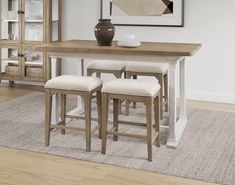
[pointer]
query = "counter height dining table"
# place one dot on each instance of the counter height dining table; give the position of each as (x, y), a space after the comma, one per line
(171, 53)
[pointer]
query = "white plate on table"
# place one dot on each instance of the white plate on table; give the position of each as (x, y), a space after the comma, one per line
(129, 44)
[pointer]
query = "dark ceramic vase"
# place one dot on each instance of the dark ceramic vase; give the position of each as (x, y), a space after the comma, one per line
(104, 32)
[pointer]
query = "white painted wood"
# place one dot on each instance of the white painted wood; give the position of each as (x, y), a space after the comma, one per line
(179, 130)
(182, 90)
(112, 57)
(176, 128)
(172, 102)
(55, 98)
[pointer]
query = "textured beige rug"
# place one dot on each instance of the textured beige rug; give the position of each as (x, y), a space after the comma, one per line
(206, 151)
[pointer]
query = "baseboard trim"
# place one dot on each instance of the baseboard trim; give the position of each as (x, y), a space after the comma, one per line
(211, 96)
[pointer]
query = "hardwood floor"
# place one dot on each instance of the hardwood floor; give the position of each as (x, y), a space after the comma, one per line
(27, 168)
(10, 92)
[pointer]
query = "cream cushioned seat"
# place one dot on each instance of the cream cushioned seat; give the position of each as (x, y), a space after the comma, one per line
(132, 87)
(74, 83)
(147, 67)
(106, 65)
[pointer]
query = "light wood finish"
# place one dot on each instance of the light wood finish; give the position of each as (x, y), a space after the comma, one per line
(115, 117)
(99, 109)
(147, 48)
(116, 73)
(87, 96)
(9, 92)
(22, 44)
(63, 111)
(48, 105)
(149, 124)
(157, 118)
(148, 101)
(53, 170)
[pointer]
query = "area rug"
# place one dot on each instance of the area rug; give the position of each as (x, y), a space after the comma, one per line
(206, 151)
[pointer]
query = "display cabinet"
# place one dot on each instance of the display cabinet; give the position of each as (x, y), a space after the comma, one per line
(24, 24)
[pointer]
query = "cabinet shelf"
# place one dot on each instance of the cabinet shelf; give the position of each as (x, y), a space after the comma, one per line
(11, 61)
(34, 63)
(10, 20)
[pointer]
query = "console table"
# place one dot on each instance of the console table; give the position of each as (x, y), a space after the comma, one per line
(171, 53)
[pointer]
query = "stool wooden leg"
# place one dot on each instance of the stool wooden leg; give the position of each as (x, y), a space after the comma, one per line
(87, 100)
(89, 72)
(149, 115)
(63, 111)
(166, 91)
(115, 116)
(105, 108)
(134, 103)
(157, 119)
(48, 108)
(127, 108)
(127, 111)
(160, 80)
(125, 75)
(119, 75)
(99, 108)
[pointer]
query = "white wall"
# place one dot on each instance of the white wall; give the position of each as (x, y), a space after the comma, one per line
(210, 73)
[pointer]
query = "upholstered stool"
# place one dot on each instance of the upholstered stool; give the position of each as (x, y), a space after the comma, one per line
(158, 70)
(117, 68)
(73, 85)
(143, 91)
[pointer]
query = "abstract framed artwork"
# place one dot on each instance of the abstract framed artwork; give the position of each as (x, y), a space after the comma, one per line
(165, 13)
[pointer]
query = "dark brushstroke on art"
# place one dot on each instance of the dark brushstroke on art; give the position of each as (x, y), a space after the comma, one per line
(170, 7)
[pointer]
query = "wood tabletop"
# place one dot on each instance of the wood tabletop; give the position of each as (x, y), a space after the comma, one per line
(146, 48)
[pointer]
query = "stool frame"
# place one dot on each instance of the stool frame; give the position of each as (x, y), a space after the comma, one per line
(87, 96)
(98, 72)
(148, 101)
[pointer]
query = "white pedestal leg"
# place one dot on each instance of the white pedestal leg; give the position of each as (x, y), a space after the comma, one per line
(182, 90)
(80, 101)
(172, 104)
(55, 98)
(176, 128)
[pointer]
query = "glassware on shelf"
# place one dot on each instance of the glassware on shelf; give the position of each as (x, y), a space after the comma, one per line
(31, 56)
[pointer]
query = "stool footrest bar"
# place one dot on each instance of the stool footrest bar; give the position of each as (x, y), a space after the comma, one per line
(126, 135)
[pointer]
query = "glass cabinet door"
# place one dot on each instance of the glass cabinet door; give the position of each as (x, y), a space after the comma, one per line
(33, 65)
(33, 21)
(10, 20)
(55, 20)
(10, 63)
